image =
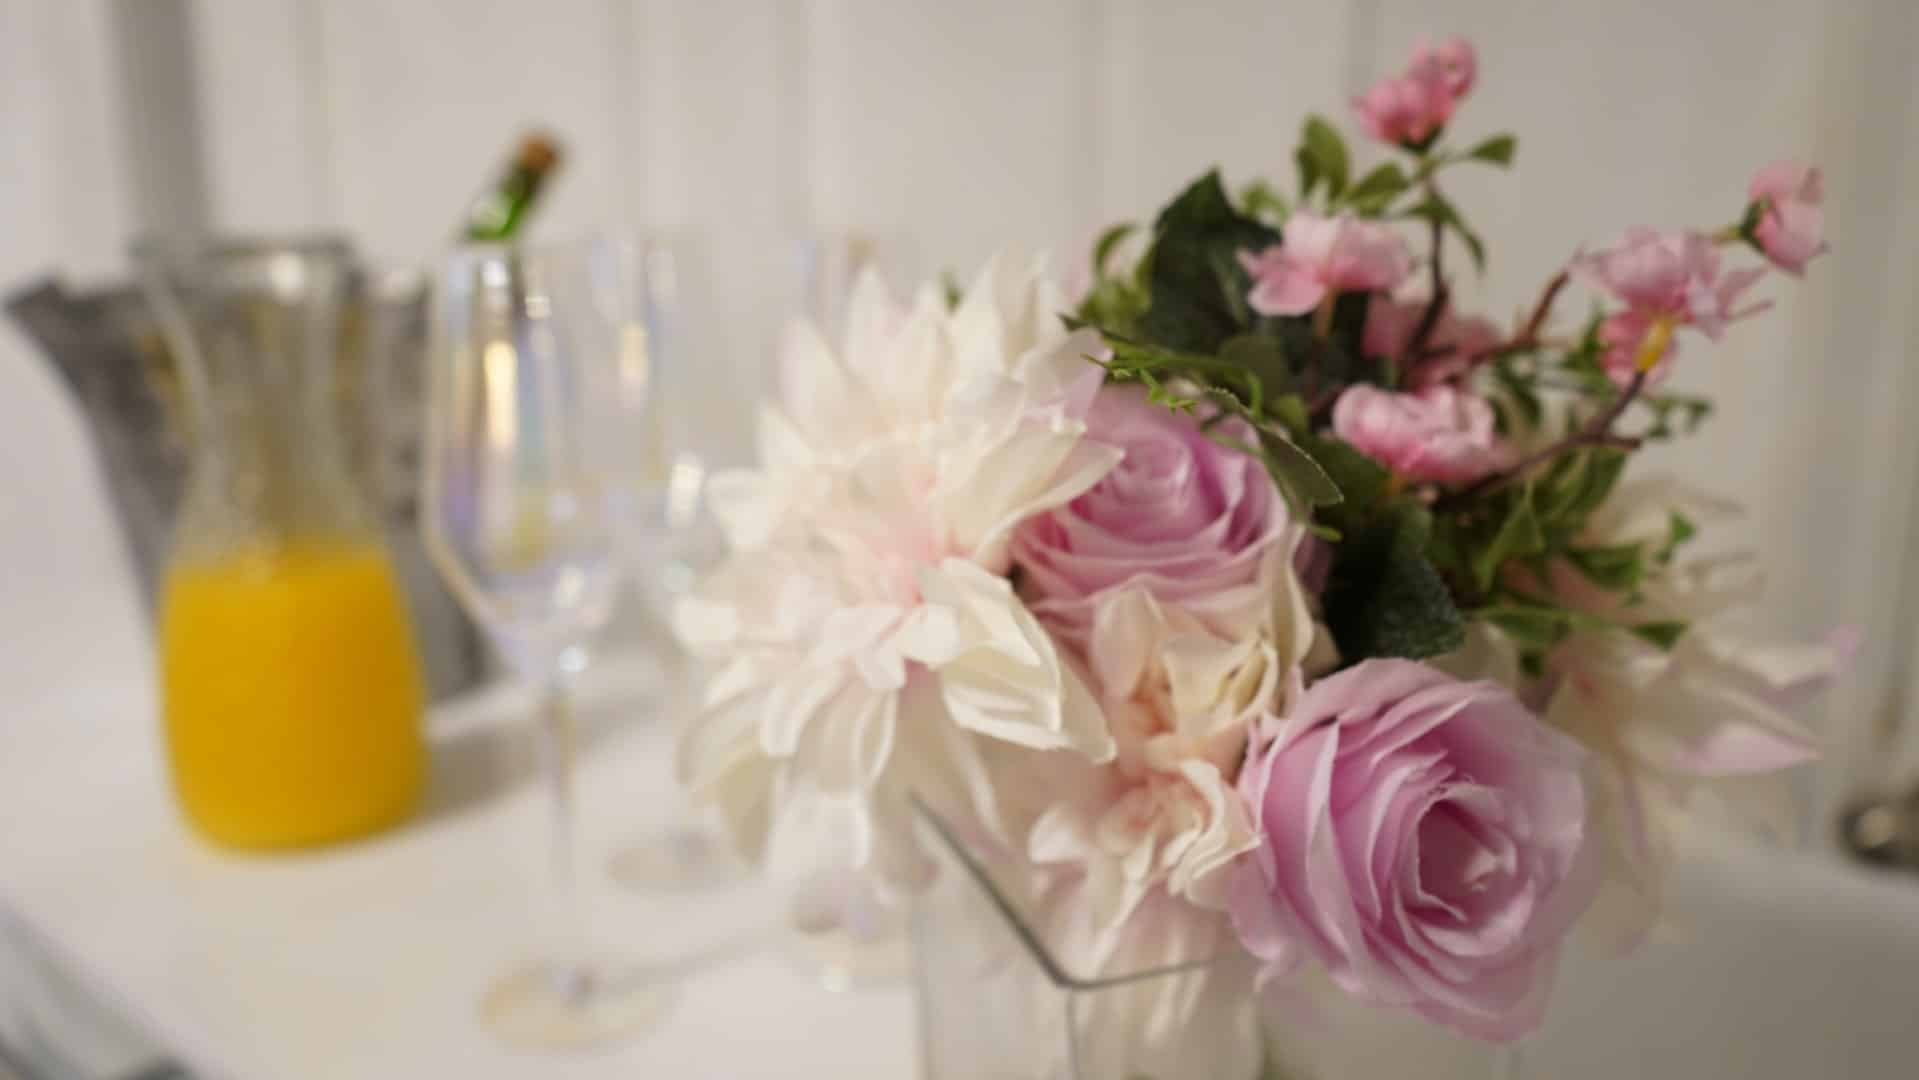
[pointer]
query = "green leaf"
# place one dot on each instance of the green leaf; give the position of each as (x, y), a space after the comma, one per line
(1109, 241)
(1290, 410)
(1618, 567)
(1435, 208)
(1577, 483)
(1378, 188)
(1679, 529)
(1260, 200)
(1196, 285)
(1263, 357)
(1361, 479)
(1298, 476)
(1663, 634)
(1309, 175)
(1322, 143)
(1497, 150)
(1518, 535)
(1530, 627)
(1384, 598)
(1520, 392)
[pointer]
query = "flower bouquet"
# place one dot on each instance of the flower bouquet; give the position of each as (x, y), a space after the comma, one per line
(1256, 612)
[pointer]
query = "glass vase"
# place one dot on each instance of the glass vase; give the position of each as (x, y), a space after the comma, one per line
(1001, 995)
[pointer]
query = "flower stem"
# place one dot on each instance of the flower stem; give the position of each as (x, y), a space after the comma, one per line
(1323, 317)
(1595, 432)
(1429, 319)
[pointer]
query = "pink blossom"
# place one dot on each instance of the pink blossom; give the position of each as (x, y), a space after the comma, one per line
(1321, 256)
(1424, 839)
(1451, 63)
(1440, 434)
(1666, 280)
(1454, 346)
(1791, 225)
(1184, 517)
(1410, 108)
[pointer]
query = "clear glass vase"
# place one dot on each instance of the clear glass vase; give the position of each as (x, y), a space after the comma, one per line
(1000, 999)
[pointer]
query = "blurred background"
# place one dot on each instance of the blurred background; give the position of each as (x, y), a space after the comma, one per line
(950, 130)
(938, 132)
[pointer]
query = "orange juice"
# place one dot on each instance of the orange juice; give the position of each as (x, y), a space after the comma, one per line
(292, 695)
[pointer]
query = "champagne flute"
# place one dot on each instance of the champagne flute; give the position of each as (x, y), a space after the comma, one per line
(636, 281)
(517, 515)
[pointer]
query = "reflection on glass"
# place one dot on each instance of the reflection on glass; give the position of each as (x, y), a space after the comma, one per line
(520, 507)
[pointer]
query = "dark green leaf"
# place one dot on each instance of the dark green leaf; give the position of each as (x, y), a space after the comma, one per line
(1323, 144)
(1377, 189)
(1497, 150)
(1197, 288)
(1384, 598)
(1663, 634)
(1109, 241)
(1263, 357)
(1361, 479)
(1299, 477)
(1290, 410)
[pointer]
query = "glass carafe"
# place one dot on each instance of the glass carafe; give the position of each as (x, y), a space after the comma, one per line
(290, 682)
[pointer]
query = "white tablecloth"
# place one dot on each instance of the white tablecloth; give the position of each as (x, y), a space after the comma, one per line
(366, 961)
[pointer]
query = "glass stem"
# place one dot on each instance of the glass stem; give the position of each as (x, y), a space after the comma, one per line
(570, 970)
(1509, 1062)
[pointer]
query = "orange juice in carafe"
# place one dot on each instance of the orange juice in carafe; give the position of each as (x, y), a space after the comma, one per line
(291, 689)
(292, 695)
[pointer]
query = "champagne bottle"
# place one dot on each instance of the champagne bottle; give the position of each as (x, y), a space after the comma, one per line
(497, 215)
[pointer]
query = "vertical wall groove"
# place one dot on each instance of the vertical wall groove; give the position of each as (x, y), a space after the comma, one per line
(317, 134)
(795, 82)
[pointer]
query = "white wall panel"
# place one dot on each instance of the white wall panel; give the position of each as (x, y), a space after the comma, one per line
(68, 606)
(263, 118)
(1184, 87)
(961, 125)
(424, 99)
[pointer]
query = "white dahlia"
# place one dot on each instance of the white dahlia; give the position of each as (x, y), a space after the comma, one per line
(866, 642)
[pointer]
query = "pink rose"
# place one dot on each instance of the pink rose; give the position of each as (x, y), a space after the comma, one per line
(1410, 108)
(1424, 839)
(1455, 345)
(1666, 280)
(1181, 514)
(1440, 434)
(1321, 256)
(1791, 226)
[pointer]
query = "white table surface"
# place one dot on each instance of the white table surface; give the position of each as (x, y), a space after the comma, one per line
(366, 961)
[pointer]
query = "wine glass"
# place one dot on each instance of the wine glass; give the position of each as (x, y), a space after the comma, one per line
(636, 282)
(518, 513)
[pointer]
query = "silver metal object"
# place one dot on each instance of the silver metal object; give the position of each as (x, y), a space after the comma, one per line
(109, 352)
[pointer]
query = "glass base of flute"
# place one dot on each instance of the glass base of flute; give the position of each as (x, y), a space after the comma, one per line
(684, 850)
(862, 944)
(578, 996)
